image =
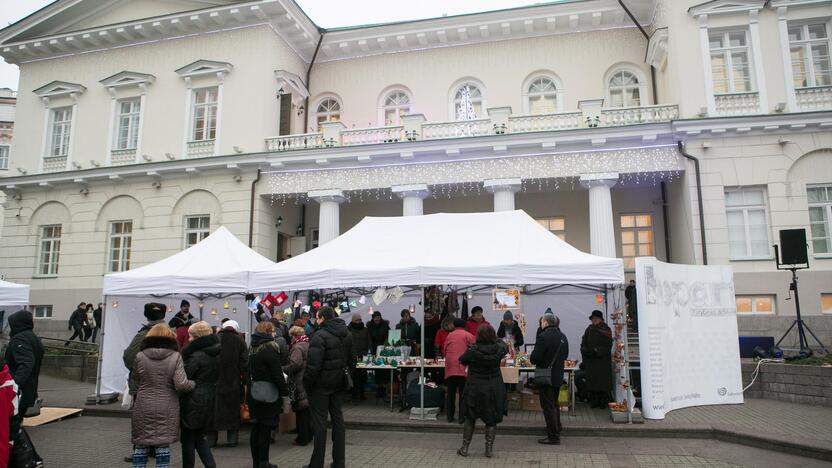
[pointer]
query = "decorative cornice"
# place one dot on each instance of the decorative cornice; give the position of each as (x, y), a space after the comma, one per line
(204, 67)
(717, 7)
(290, 83)
(798, 3)
(656, 55)
(59, 89)
(127, 78)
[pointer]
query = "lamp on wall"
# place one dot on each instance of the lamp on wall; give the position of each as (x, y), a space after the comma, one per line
(299, 230)
(300, 109)
(279, 221)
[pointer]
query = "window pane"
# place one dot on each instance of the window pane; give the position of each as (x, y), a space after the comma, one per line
(645, 237)
(628, 250)
(644, 220)
(799, 67)
(616, 98)
(645, 250)
(816, 194)
(628, 221)
(736, 39)
(795, 33)
(826, 303)
(817, 31)
(715, 40)
(763, 304)
(628, 237)
(744, 305)
(741, 72)
(556, 224)
(544, 223)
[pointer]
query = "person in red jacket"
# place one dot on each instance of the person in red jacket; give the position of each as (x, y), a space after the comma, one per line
(180, 323)
(455, 346)
(8, 412)
(475, 320)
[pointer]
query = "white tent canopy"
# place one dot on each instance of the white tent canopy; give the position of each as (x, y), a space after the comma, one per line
(506, 247)
(220, 263)
(13, 294)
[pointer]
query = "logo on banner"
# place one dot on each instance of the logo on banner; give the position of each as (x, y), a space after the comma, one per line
(722, 391)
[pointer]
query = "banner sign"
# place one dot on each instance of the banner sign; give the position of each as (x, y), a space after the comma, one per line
(688, 339)
(505, 299)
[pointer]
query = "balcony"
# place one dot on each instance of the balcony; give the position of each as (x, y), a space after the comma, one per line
(737, 103)
(499, 122)
(200, 149)
(54, 163)
(124, 156)
(812, 99)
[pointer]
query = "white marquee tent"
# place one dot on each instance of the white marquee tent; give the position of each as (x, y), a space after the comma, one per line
(506, 247)
(13, 294)
(218, 265)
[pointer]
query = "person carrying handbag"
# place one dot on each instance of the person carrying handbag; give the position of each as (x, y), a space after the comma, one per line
(548, 356)
(265, 392)
(295, 369)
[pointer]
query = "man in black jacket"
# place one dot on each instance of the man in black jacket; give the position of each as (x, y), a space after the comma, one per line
(550, 351)
(510, 330)
(378, 329)
(76, 322)
(24, 355)
(96, 316)
(330, 351)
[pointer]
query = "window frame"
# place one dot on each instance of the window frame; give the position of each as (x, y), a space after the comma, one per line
(201, 232)
(329, 113)
(54, 242)
(824, 311)
(456, 87)
(635, 229)
(5, 159)
(125, 254)
(66, 135)
(561, 233)
(744, 209)
(754, 298)
(133, 126)
(625, 95)
(826, 206)
(48, 308)
(206, 128)
(727, 51)
(806, 45)
(384, 107)
(528, 95)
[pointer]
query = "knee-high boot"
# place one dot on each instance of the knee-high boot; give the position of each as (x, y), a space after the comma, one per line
(490, 435)
(467, 435)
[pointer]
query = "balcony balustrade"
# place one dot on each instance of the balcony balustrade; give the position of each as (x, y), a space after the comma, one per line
(300, 141)
(124, 156)
(372, 135)
(812, 99)
(737, 103)
(456, 129)
(639, 115)
(200, 149)
(545, 122)
(54, 163)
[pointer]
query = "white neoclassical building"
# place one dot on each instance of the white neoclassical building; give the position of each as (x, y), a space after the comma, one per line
(690, 131)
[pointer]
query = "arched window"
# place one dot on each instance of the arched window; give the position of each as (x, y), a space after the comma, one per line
(542, 95)
(624, 89)
(461, 111)
(395, 105)
(328, 110)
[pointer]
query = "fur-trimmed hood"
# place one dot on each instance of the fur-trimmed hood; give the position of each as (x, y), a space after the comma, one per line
(158, 347)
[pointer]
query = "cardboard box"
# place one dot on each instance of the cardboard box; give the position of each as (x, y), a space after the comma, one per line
(514, 401)
(530, 402)
(511, 375)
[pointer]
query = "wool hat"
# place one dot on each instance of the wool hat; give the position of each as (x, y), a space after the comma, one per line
(507, 315)
(596, 313)
(376, 314)
(154, 311)
(405, 311)
(184, 303)
(233, 324)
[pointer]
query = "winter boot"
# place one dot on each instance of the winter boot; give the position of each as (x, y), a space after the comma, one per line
(490, 434)
(233, 437)
(467, 435)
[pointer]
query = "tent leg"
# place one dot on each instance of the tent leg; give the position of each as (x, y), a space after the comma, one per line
(422, 358)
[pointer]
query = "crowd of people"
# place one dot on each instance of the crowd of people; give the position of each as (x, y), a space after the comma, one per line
(85, 322)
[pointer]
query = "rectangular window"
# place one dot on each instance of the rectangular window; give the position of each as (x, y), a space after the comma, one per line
(50, 250)
(820, 218)
(748, 236)
(128, 113)
(555, 225)
(755, 304)
(204, 123)
(826, 303)
(731, 62)
(41, 311)
(636, 238)
(315, 238)
(60, 125)
(4, 157)
(196, 228)
(121, 243)
(809, 46)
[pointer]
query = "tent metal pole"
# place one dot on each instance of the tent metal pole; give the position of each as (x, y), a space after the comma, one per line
(101, 352)
(422, 358)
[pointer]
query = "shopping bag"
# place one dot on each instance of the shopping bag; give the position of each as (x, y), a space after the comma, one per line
(245, 414)
(563, 396)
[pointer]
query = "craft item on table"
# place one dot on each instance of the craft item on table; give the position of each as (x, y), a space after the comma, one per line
(306, 308)
(380, 295)
(268, 302)
(226, 305)
(287, 311)
(298, 303)
(353, 303)
(362, 299)
(338, 310)
(345, 306)
(394, 336)
(280, 298)
(395, 295)
(252, 306)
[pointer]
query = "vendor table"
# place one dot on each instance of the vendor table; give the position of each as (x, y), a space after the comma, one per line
(368, 367)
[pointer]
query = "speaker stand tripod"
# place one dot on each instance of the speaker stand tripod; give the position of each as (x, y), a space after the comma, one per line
(802, 328)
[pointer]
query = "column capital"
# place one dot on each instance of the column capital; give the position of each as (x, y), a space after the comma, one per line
(503, 185)
(329, 195)
(420, 191)
(607, 179)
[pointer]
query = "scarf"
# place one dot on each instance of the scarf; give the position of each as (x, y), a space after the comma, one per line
(300, 339)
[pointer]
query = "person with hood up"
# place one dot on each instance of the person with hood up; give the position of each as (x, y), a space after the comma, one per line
(298, 357)
(202, 365)
(454, 347)
(596, 351)
(510, 331)
(266, 365)
(24, 355)
(360, 344)
(181, 321)
(233, 369)
(485, 394)
(475, 320)
(330, 349)
(158, 377)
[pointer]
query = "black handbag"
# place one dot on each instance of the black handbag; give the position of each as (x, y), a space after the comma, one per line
(348, 384)
(23, 453)
(543, 377)
(263, 391)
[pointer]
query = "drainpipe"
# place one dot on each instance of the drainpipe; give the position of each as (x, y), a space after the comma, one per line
(308, 77)
(647, 37)
(681, 146)
(251, 211)
(667, 255)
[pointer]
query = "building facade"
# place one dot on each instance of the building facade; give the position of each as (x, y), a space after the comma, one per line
(689, 131)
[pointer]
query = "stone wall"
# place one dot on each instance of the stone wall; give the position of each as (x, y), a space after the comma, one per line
(80, 368)
(787, 382)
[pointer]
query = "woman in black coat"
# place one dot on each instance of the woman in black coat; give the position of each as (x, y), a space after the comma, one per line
(485, 394)
(596, 351)
(202, 364)
(233, 370)
(264, 366)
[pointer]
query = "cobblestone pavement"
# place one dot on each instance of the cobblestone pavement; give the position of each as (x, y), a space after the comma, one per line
(93, 442)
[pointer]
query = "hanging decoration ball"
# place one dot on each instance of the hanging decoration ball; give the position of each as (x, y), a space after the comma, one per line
(412, 308)
(370, 311)
(170, 308)
(234, 310)
(213, 311)
(599, 298)
(362, 299)
(469, 294)
(226, 305)
(115, 304)
(201, 305)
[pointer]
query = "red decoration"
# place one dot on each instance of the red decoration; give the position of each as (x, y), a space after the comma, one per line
(280, 298)
(268, 302)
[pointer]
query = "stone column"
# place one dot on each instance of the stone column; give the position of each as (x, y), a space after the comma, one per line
(329, 215)
(601, 225)
(412, 196)
(503, 190)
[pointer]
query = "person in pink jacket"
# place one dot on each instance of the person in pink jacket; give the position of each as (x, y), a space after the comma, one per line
(455, 345)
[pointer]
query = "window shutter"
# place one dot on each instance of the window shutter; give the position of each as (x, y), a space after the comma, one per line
(285, 114)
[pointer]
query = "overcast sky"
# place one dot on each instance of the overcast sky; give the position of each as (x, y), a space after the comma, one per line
(326, 13)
